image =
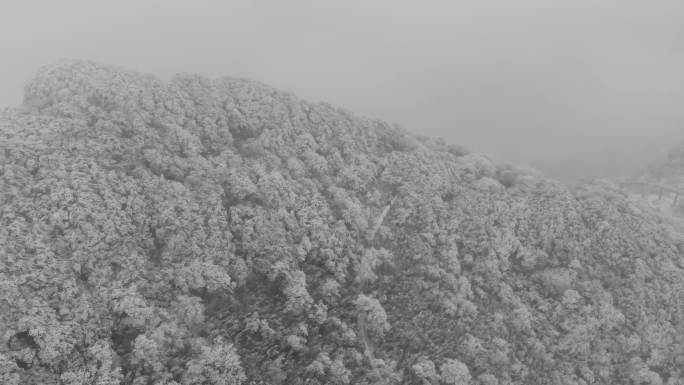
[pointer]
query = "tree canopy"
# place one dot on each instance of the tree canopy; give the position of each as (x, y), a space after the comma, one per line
(222, 232)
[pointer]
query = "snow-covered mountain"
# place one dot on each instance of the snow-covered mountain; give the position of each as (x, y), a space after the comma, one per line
(208, 231)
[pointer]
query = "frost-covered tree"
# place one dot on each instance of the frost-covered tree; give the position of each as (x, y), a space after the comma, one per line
(218, 231)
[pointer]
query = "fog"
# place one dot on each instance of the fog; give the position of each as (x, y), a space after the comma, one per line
(577, 88)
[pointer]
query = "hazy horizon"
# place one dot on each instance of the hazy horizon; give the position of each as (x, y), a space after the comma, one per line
(577, 89)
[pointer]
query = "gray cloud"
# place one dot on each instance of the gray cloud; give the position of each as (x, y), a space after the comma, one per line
(576, 87)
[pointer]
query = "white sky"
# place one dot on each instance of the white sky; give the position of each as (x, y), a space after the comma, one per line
(582, 85)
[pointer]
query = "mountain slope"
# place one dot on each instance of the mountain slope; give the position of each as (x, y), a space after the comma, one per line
(222, 232)
(659, 188)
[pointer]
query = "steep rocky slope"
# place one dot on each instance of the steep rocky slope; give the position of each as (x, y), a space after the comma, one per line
(222, 232)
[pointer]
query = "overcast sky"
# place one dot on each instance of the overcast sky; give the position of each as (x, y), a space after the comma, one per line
(554, 83)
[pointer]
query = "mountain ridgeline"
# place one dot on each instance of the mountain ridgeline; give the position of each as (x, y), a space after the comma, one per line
(220, 232)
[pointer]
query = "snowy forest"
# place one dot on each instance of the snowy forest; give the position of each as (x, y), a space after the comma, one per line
(205, 231)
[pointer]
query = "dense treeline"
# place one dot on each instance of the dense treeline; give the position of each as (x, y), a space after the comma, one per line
(222, 232)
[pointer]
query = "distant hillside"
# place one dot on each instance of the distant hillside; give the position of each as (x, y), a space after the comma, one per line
(669, 166)
(604, 163)
(660, 186)
(222, 232)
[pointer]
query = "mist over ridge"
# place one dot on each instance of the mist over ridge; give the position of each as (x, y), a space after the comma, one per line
(548, 84)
